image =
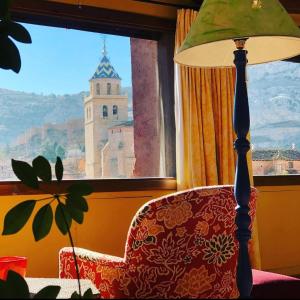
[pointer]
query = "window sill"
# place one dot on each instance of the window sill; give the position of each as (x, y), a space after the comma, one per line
(8, 188)
(278, 180)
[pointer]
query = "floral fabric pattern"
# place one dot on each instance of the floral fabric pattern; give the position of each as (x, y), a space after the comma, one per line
(178, 246)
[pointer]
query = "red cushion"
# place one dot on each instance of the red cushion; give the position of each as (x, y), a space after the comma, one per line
(267, 285)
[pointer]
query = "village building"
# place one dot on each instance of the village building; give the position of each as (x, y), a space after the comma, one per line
(276, 162)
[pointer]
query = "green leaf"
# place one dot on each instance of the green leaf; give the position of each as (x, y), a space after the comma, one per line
(18, 32)
(75, 295)
(76, 214)
(59, 169)
(89, 294)
(17, 217)
(25, 173)
(80, 188)
(62, 218)
(9, 55)
(42, 222)
(4, 8)
(17, 287)
(48, 292)
(3, 290)
(78, 202)
(42, 168)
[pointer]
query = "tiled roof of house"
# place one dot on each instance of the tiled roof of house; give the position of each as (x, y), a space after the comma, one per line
(105, 70)
(275, 154)
(123, 124)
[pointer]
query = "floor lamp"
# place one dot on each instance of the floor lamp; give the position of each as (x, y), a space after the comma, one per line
(224, 32)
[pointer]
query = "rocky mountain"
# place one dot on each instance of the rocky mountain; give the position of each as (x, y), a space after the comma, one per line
(21, 111)
(274, 99)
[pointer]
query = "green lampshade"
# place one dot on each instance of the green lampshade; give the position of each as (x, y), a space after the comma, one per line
(272, 34)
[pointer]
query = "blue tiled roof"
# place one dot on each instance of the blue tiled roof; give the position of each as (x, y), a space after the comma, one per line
(105, 70)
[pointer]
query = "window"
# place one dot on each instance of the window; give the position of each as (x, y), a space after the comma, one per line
(115, 110)
(104, 112)
(108, 88)
(50, 118)
(274, 100)
(98, 88)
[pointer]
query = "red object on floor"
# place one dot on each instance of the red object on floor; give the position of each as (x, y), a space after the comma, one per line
(14, 263)
(181, 245)
(267, 285)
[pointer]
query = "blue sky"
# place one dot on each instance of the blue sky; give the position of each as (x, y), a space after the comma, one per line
(61, 61)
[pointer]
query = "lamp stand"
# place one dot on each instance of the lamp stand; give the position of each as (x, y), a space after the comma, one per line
(242, 189)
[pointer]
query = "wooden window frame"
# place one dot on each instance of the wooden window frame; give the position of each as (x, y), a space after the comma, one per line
(276, 180)
(140, 26)
(107, 21)
(99, 185)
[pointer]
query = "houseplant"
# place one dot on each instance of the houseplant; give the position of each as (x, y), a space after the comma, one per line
(70, 205)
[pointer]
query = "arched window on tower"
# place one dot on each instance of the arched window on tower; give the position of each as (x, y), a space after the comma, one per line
(98, 88)
(115, 111)
(118, 89)
(104, 112)
(109, 88)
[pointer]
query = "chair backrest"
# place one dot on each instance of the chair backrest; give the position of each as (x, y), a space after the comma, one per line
(184, 246)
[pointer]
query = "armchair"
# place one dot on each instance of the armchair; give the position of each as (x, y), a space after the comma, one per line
(181, 245)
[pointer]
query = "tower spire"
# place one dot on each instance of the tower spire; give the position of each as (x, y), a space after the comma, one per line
(104, 51)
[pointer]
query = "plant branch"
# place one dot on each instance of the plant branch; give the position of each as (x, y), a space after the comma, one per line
(47, 198)
(72, 245)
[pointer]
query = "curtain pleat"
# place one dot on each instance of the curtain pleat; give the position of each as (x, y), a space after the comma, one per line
(204, 112)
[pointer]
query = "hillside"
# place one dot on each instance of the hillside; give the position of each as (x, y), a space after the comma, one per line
(21, 111)
(274, 99)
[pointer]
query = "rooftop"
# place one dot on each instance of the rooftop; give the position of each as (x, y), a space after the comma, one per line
(105, 70)
(123, 124)
(273, 154)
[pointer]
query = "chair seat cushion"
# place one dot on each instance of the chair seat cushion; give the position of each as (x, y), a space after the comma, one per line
(267, 285)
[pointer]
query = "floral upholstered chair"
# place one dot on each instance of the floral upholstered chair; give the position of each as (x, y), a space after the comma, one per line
(178, 246)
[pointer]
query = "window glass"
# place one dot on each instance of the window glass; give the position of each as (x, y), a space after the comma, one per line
(47, 108)
(115, 110)
(274, 99)
(104, 111)
(108, 88)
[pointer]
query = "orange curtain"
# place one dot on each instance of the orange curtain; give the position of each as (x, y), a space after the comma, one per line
(204, 112)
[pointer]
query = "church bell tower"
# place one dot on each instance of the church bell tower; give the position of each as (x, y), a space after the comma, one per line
(103, 108)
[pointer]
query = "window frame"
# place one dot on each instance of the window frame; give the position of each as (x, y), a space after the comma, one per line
(107, 21)
(140, 26)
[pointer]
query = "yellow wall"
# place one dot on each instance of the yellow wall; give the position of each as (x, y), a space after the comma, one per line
(104, 230)
(106, 224)
(278, 216)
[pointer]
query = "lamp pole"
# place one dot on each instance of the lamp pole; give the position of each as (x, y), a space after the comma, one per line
(242, 189)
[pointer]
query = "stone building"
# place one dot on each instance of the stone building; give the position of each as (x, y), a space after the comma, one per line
(118, 154)
(276, 162)
(104, 109)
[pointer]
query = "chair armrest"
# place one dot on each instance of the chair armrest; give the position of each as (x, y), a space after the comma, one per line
(105, 271)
